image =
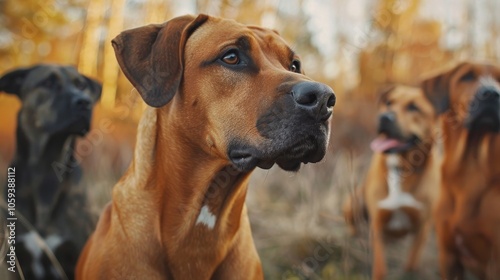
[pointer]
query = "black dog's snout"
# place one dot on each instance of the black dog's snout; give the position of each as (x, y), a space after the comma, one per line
(488, 95)
(316, 98)
(82, 103)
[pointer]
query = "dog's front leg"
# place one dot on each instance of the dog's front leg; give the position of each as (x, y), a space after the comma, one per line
(379, 269)
(417, 246)
(449, 264)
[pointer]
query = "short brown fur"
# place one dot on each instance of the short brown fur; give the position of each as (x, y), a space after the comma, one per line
(468, 209)
(150, 229)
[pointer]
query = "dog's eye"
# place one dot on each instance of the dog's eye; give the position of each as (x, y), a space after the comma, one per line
(51, 83)
(388, 102)
(79, 84)
(231, 57)
(295, 67)
(412, 107)
(469, 76)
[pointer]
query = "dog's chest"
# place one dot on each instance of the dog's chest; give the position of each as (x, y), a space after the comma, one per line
(401, 207)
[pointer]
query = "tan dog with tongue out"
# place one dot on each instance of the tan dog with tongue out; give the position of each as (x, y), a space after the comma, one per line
(402, 182)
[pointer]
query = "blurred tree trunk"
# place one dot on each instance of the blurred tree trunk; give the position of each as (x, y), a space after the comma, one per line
(401, 20)
(211, 7)
(88, 61)
(469, 19)
(157, 11)
(492, 45)
(110, 67)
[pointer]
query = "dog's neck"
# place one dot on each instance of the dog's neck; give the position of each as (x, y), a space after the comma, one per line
(195, 192)
(45, 165)
(468, 149)
(43, 149)
(404, 168)
(413, 160)
(397, 196)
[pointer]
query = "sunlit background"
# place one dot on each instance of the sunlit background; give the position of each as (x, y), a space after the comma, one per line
(355, 46)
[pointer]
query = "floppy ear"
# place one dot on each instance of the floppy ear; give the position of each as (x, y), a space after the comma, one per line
(12, 81)
(95, 88)
(152, 57)
(437, 88)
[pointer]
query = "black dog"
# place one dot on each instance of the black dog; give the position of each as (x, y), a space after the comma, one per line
(56, 108)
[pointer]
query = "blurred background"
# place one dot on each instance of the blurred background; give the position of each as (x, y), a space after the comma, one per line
(355, 46)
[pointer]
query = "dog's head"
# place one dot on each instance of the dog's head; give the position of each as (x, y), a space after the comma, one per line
(239, 89)
(406, 118)
(471, 93)
(55, 99)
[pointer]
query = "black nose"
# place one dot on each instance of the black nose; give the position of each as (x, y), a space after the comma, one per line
(386, 122)
(82, 103)
(488, 95)
(387, 118)
(315, 98)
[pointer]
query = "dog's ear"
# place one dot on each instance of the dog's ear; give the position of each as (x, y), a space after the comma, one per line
(95, 88)
(152, 57)
(12, 81)
(437, 88)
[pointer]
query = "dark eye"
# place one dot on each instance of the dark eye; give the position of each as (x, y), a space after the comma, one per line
(468, 77)
(295, 66)
(412, 107)
(51, 83)
(388, 102)
(79, 84)
(231, 57)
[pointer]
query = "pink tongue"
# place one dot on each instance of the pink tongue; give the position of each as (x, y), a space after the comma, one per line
(382, 144)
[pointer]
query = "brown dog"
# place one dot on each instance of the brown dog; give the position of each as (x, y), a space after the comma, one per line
(400, 187)
(229, 98)
(468, 209)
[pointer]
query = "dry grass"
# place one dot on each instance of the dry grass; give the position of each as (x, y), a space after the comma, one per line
(300, 232)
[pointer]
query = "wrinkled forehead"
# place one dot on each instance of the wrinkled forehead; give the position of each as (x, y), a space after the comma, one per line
(214, 35)
(41, 73)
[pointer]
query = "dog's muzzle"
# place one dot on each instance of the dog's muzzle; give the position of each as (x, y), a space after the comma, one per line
(390, 138)
(295, 129)
(484, 111)
(387, 124)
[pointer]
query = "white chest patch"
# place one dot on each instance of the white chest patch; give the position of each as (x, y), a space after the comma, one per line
(31, 243)
(206, 217)
(397, 198)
